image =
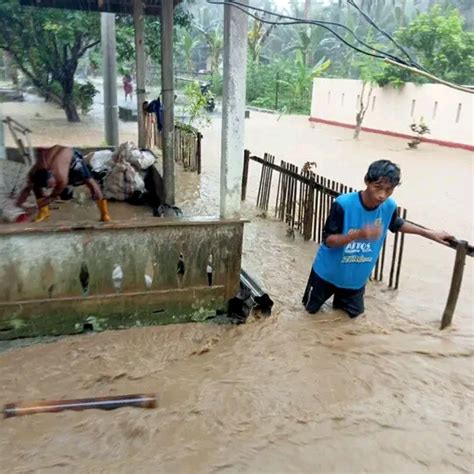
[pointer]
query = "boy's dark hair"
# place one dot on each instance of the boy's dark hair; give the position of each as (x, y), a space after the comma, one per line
(40, 177)
(384, 170)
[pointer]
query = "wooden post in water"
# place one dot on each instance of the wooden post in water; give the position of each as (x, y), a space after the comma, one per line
(260, 185)
(277, 203)
(295, 190)
(245, 172)
(198, 156)
(400, 253)
(394, 256)
(269, 182)
(316, 203)
(456, 281)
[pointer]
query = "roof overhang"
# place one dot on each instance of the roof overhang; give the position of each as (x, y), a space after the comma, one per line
(125, 7)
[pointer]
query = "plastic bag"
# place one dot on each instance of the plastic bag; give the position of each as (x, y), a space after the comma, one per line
(100, 160)
(10, 212)
(141, 160)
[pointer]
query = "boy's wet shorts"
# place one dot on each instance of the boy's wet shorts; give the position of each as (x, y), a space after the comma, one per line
(78, 171)
(318, 291)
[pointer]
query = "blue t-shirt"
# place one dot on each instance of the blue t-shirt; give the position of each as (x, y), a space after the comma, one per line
(350, 266)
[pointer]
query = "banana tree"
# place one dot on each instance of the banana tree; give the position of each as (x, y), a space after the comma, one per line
(300, 80)
(186, 46)
(257, 37)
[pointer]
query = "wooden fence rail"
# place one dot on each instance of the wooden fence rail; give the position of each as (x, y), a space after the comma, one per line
(187, 143)
(187, 147)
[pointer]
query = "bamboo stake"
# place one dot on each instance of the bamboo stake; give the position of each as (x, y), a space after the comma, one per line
(277, 202)
(320, 217)
(315, 207)
(383, 258)
(199, 153)
(456, 280)
(245, 172)
(394, 255)
(400, 254)
(269, 183)
(262, 172)
(295, 189)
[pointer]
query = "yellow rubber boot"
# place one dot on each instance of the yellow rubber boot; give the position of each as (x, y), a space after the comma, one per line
(104, 212)
(43, 214)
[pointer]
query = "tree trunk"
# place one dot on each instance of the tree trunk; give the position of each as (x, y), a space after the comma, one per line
(359, 119)
(11, 71)
(362, 109)
(69, 105)
(70, 108)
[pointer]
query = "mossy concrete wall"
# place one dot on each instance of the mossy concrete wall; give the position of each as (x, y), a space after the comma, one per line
(57, 279)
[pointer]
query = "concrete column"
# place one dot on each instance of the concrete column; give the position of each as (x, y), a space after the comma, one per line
(167, 81)
(139, 23)
(2, 139)
(233, 110)
(109, 73)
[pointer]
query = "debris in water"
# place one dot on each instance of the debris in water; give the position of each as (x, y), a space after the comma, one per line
(100, 403)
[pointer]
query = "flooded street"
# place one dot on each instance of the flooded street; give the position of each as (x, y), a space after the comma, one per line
(387, 392)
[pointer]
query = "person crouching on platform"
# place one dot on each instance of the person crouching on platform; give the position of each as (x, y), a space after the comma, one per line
(56, 168)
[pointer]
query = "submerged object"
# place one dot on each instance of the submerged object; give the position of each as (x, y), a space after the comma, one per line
(251, 296)
(100, 403)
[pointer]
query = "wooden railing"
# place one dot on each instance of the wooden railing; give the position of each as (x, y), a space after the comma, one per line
(187, 147)
(187, 143)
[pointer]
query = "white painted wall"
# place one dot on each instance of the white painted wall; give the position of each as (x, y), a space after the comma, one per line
(448, 112)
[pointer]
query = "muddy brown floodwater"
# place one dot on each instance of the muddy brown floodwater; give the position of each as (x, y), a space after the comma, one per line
(387, 392)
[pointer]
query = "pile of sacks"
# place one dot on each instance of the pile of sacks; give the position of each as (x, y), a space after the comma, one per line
(121, 172)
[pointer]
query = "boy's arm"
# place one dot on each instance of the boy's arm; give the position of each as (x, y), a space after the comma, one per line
(55, 193)
(333, 228)
(340, 240)
(439, 236)
(25, 192)
(23, 196)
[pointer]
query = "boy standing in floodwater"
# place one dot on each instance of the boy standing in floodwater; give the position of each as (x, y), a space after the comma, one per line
(352, 239)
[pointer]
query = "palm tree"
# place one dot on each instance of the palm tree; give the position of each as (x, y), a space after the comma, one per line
(187, 45)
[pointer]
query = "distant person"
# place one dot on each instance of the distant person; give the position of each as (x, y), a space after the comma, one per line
(352, 239)
(127, 86)
(56, 168)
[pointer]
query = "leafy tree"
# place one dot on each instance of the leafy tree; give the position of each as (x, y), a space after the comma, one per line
(46, 45)
(441, 45)
(125, 37)
(214, 39)
(283, 84)
(196, 103)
